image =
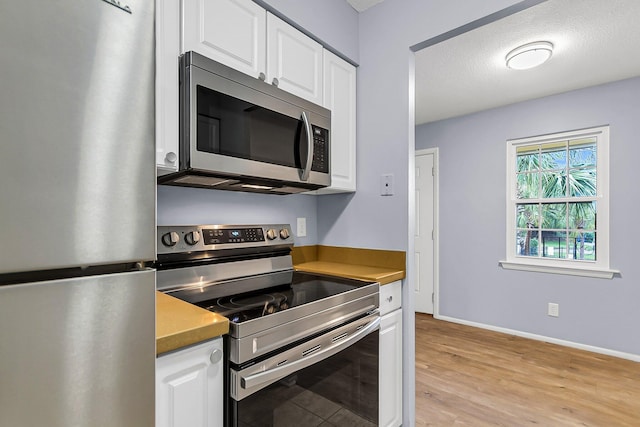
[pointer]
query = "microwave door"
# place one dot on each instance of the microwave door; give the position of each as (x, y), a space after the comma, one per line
(239, 137)
(274, 139)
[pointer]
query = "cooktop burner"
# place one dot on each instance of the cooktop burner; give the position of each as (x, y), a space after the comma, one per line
(303, 289)
(240, 301)
(240, 308)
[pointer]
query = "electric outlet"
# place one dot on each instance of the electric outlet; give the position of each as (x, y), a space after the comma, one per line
(301, 229)
(386, 185)
(553, 309)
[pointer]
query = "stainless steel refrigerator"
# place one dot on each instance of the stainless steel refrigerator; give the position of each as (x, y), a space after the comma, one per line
(77, 213)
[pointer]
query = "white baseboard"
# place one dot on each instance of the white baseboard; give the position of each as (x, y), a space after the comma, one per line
(600, 350)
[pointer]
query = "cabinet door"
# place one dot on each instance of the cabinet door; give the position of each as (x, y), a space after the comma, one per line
(167, 52)
(228, 31)
(189, 387)
(294, 59)
(391, 369)
(340, 98)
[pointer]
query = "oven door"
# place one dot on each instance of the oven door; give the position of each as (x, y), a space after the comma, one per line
(235, 125)
(332, 377)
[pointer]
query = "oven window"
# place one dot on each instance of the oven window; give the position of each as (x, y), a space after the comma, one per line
(341, 390)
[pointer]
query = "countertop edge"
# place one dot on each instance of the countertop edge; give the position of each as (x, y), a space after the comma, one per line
(180, 324)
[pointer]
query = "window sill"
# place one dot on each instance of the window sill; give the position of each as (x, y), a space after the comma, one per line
(598, 273)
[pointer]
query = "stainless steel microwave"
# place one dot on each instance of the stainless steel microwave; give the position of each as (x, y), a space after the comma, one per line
(240, 133)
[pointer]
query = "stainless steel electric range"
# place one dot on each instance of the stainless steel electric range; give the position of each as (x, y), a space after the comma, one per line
(302, 348)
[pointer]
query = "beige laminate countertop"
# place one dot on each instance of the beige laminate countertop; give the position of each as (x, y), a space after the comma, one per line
(376, 274)
(376, 265)
(179, 324)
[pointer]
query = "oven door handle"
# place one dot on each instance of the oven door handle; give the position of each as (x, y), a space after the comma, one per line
(309, 359)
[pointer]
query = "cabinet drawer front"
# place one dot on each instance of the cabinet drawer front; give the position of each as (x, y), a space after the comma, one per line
(390, 297)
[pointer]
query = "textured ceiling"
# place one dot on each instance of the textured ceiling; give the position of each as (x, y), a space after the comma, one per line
(595, 42)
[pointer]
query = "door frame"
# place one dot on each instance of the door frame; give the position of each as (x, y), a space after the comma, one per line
(436, 227)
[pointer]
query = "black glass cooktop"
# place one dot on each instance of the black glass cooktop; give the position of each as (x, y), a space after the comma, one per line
(303, 289)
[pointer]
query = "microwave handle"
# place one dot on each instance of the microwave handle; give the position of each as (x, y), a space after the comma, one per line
(307, 167)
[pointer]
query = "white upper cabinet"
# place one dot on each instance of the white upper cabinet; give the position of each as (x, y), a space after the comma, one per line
(294, 59)
(228, 31)
(244, 36)
(167, 53)
(340, 98)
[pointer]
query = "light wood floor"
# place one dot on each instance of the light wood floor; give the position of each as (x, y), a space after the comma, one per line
(467, 376)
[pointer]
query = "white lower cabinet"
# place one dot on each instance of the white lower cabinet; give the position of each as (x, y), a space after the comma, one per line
(189, 387)
(390, 362)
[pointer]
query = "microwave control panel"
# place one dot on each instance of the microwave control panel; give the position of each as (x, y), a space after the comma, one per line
(320, 150)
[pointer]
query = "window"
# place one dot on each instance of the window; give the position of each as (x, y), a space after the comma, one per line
(558, 203)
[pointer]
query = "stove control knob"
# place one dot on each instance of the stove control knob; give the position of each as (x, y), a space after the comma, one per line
(284, 234)
(192, 237)
(170, 239)
(271, 234)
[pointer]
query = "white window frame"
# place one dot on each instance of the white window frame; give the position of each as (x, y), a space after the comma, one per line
(598, 268)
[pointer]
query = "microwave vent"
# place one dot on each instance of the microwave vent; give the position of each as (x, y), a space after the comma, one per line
(288, 190)
(204, 181)
(200, 179)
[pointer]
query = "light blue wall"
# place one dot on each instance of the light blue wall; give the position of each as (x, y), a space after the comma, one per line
(385, 122)
(333, 22)
(184, 206)
(472, 149)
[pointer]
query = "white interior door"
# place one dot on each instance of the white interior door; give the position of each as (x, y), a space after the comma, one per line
(425, 233)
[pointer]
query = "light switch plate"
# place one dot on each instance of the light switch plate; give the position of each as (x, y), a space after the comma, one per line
(386, 185)
(301, 227)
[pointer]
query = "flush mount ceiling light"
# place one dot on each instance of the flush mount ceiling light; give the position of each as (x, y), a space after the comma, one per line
(529, 55)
